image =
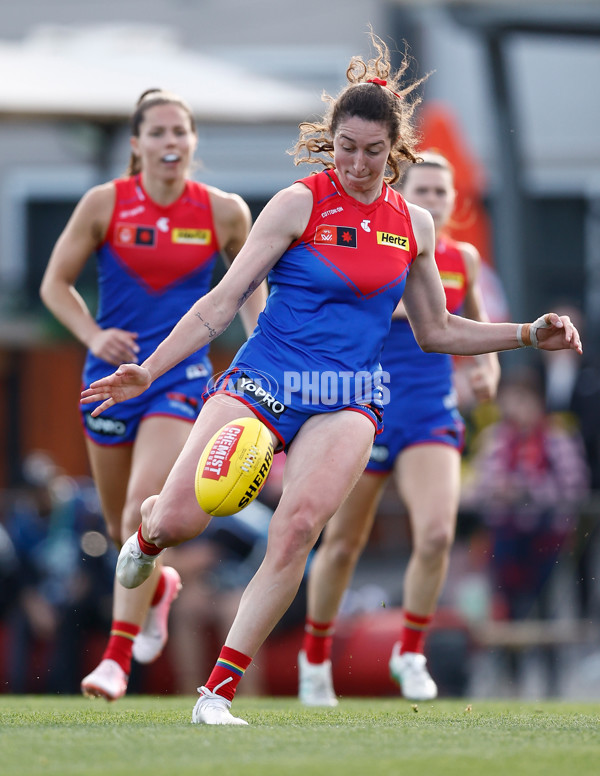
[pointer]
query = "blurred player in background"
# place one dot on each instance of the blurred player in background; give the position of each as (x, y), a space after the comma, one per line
(420, 446)
(337, 247)
(157, 235)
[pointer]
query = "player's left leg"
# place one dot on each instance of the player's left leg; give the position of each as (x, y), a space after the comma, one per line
(428, 480)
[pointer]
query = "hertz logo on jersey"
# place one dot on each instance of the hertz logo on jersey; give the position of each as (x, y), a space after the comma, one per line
(397, 240)
(344, 236)
(191, 236)
(452, 279)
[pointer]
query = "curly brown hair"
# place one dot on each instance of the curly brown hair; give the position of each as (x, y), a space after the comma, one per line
(149, 99)
(387, 100)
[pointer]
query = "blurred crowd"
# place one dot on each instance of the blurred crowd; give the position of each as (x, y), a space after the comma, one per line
(529, 511)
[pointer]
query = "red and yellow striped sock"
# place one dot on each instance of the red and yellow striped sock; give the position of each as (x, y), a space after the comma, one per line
(120, 643)
(228, 671)
(317, 641)
(414, 631)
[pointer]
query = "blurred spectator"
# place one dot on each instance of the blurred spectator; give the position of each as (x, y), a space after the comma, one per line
(529, 477)
(585, 405)
(64, 580)
(573, 389)
(9, 565)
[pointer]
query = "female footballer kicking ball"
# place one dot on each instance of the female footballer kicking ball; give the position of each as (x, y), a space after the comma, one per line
(340, 248)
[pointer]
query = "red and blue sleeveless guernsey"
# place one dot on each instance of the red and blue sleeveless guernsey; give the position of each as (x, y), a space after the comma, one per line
(332, 295)
(154, 263)
(422, 407)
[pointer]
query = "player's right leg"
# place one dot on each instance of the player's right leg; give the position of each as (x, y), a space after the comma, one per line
(428, 479)
(110, 466)
(320, 471)
(331, 570)
(158, 442)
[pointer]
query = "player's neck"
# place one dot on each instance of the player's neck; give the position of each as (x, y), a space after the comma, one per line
(162, 192)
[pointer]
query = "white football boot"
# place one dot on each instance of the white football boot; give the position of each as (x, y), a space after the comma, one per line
(107, 680)
(213, 709)
(315, 683)
(409, 670)
(133, 565)
(151, 640)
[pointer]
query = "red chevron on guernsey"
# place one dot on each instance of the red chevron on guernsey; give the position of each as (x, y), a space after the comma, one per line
(220, 455)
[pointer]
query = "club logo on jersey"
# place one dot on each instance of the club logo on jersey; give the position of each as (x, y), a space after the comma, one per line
(336, 235)
(452, 280)
(191, 236)
(397, 240)
(131, 234)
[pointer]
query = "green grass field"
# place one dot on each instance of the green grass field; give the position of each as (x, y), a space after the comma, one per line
(66, 735)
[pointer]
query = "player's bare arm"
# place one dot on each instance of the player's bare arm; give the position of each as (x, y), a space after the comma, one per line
(484, 375)
(233, 222)
(83, 233)
(436, 330)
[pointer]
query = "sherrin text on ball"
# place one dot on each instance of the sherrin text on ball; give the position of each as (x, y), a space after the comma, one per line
(233, 467)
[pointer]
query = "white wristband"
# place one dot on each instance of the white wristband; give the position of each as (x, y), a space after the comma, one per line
(520, 336)
(540, 323)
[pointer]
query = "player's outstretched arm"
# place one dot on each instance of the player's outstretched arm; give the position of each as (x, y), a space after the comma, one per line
(128, 381)
(436, 330)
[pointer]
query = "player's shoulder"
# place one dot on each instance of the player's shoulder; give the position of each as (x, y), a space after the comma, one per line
(470, 256)
(420, 218)
(422, 226)
(103, 192)
(97, 204)
(227, 206)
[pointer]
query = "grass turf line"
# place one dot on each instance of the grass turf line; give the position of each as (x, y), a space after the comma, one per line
(73, 736)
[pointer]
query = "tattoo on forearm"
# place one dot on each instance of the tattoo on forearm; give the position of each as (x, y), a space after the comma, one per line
(251, 289)
(211, 332)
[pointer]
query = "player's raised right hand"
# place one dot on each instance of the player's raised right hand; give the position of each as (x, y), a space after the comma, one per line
(128, 381)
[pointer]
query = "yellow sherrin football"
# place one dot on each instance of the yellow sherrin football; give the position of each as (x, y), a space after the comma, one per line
(234, 467)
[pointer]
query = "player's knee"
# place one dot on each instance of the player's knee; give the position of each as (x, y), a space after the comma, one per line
(299, 535)
(436, 544)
